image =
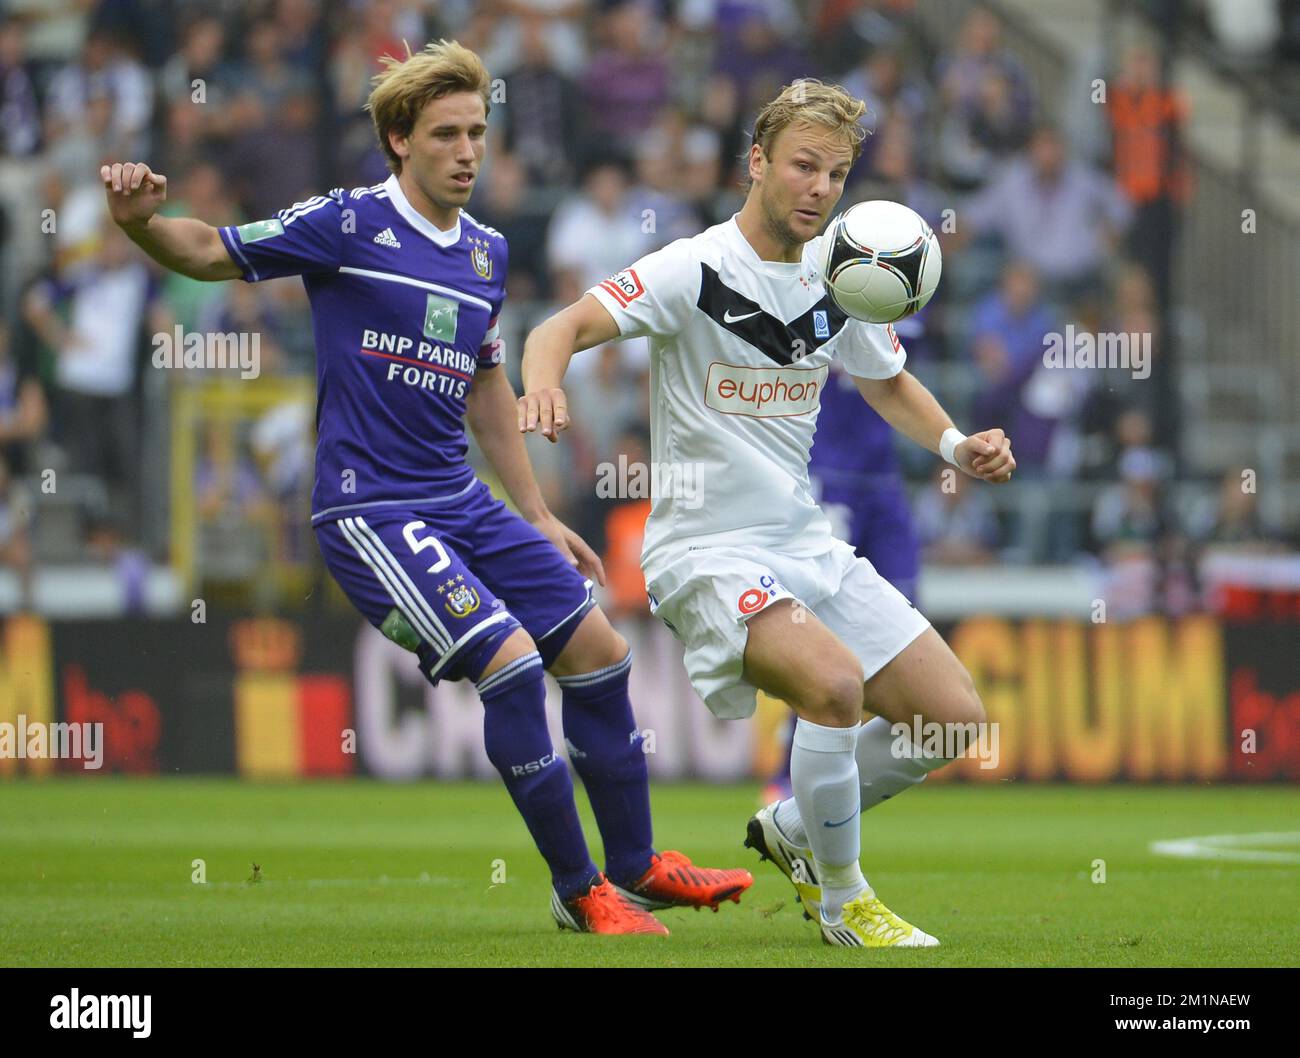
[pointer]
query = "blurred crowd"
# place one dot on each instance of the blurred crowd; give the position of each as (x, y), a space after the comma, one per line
(618, 126)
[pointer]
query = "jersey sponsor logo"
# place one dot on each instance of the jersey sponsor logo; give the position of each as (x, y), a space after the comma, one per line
(399, 347)
(764, 392)
(440, 318)
(625, 287)
(727, 317)
(821, 325)
(479, 257)
(769, 590)
(258, 230)
(387, 238)
(432, 367)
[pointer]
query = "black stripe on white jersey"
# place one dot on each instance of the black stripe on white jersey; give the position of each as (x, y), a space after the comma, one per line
(747, 319)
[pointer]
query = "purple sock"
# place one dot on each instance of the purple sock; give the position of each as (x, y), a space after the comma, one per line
(519, 747)
(605, 747)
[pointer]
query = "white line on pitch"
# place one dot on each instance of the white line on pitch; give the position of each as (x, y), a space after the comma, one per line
(1232, 847)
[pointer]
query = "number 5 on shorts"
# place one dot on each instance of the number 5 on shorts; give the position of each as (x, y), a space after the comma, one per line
(417, 545)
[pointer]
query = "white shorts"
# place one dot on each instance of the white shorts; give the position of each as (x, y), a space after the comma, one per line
(705, 596)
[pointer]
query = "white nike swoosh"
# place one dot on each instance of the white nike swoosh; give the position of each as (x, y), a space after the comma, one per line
(727, 317)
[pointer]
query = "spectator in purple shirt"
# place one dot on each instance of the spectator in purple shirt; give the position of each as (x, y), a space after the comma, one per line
(1060, 215)
(626, 82)
(1016, 313)
(758, 46)
(20, 118)
(962, 72)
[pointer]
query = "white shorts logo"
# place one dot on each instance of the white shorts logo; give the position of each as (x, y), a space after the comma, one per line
(764, 392)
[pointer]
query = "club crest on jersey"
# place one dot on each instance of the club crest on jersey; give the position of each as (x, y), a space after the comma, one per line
(440, 318)
(462, 601)
(821, 325)
(478, 255)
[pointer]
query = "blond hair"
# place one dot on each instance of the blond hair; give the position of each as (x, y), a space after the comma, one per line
(811, 101)
(406, 85)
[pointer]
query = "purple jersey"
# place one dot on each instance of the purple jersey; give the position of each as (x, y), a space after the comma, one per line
(860, 486)
(852, 441)
(404, 314)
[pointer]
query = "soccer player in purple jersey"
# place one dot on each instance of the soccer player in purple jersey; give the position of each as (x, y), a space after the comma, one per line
(860, 486)
(406, 290)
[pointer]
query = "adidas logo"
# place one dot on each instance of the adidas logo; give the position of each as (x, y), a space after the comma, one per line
(387, 238)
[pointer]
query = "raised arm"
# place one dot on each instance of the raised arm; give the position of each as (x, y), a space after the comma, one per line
(911, 409)
(547, 353)
(185, 245)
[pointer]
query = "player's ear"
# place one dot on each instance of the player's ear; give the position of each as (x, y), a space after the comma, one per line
(400, 143)
(756, 161)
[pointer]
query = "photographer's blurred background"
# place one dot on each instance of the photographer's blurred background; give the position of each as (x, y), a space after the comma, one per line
(1093, 167)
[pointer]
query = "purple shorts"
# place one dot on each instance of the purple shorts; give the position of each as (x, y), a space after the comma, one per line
(450, 580)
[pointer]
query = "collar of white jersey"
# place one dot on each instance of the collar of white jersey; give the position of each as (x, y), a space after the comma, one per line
(417, 220)
(781, 269)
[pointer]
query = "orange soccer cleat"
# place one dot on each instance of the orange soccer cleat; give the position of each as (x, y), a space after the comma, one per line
(673, 881)
(604, 909)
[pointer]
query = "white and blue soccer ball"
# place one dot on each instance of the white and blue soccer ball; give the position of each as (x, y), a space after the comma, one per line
(880, 261)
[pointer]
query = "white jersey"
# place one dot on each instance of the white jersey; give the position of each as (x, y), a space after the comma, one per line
(740, 351)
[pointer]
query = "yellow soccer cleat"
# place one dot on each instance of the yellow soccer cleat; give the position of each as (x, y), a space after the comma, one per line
(796, 863)
(867, 923)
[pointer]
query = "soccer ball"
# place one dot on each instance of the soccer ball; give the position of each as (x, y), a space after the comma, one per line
(880, 261)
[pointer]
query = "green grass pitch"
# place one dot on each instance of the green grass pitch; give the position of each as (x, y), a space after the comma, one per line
(98, 873)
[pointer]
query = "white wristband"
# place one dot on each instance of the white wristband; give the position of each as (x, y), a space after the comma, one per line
(951, 438)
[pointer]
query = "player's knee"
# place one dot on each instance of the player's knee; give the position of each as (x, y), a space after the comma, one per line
(516, 645)
(834, 696)
(613, 649)
(595, 645)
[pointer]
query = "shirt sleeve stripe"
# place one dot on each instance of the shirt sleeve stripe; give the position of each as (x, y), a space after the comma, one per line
(617, 294)
(231, 238)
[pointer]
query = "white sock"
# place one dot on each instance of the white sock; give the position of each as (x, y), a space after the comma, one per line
(839, 886)
(883, 775)
(824, 774)
(884, 771)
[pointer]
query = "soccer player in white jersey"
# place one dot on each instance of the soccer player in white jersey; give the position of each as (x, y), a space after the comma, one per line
(752, 581)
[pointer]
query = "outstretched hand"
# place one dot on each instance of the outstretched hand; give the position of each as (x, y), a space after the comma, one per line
(135, 192)
(573, 547)
(547, 408)
(987, 456)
